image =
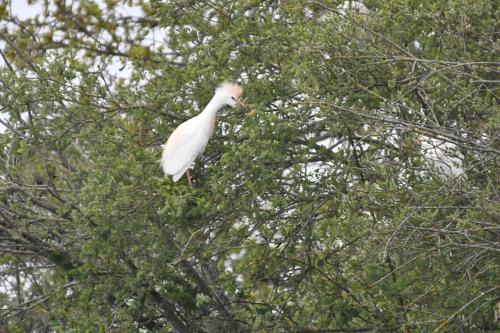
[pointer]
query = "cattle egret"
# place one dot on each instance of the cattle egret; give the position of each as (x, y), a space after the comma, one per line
(190, 138)
(442, 157)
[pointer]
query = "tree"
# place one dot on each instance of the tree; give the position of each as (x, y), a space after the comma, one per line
(314, 210)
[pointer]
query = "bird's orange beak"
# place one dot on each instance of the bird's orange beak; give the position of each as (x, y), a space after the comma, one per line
(240, 103)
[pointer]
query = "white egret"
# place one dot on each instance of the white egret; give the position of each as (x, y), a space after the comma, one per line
(190, 138)
(442, 157)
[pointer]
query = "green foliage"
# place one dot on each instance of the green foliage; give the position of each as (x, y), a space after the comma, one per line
(314, 208)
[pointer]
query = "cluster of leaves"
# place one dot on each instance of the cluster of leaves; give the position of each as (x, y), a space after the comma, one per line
(313, 210)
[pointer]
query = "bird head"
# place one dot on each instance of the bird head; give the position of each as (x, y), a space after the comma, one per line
(230, 94)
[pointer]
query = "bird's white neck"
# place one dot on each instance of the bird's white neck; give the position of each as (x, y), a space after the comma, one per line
(213, 106)
(208, 115)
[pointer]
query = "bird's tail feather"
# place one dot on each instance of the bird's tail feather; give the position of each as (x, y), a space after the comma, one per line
(179, 174)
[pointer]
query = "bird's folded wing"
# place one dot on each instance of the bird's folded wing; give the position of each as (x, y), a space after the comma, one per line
(181, 149)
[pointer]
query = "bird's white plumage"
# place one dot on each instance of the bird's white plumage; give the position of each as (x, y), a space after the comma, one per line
(190, 138)
(183, 146)
(443, 157)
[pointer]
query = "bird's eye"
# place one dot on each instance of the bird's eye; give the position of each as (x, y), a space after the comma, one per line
(233, 98)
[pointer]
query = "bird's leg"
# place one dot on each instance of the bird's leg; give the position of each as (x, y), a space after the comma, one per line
(190, 179)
